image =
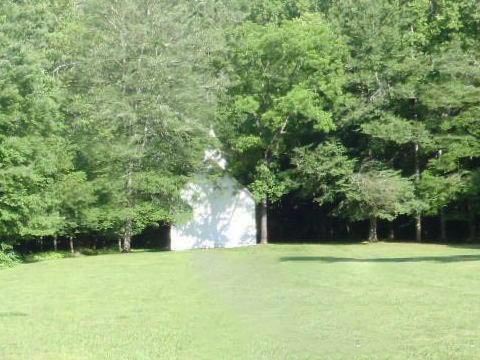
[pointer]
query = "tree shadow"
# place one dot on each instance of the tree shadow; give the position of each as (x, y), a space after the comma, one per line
(152, 250)
(12, 314)
(466, 246)
(413, 259)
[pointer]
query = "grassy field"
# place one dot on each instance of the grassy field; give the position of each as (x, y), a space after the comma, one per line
(383, 301)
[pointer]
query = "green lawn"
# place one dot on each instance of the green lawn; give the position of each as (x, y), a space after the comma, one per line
(383, 301)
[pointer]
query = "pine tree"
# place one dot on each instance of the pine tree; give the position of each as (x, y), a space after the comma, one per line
(141, 101)
(34, 153)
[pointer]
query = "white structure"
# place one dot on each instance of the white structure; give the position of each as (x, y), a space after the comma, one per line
(223, 214)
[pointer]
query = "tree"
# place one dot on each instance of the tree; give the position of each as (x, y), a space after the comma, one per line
(407, 59)
(33, 151)
(324, 171)
(75, 197)
(437, 191)
(452, 99)
(276, 11)
(105, 109)
(390, 66)
(142, 100)
(285, 81)
(376, 194)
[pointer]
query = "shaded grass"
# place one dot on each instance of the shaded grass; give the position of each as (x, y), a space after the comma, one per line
(382, 301)
(46, 255)
(54, 255)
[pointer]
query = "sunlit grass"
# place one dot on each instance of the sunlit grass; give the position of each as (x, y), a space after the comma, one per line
(383, 301)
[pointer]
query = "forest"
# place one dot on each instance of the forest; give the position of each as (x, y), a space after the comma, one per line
(352, 119)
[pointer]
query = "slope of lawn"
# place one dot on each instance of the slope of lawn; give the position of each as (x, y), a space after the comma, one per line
(383, 301)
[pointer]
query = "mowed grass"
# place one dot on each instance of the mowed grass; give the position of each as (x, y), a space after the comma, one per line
(382, 301)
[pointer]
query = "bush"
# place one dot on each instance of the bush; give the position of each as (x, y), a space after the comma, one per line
(8, 258)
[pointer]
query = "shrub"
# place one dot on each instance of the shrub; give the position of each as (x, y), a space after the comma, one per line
(8, 258)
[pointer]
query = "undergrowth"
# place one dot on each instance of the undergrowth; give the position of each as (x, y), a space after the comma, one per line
(8, 257)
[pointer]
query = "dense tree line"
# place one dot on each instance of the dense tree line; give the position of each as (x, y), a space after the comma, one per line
(379, 119)
(104, 114)
(370, 108)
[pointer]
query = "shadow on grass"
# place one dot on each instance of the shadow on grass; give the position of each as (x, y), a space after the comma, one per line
(12, 314)
(52, 255)
(465, 246)
(151, 250)
(413, 259)
(43, 256)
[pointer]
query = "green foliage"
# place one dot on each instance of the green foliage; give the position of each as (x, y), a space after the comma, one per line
(106, 107)
(33, 154)
(324, 170)
(75, 197)
(104, 112)
(8, 257)
(141, 100)
(437, 191)
(276, 11)
(413, 91)
(270, 183)
(377, 193)
(398, 131)
(285, 81)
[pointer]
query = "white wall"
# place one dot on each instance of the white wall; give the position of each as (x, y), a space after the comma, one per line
(223, 216)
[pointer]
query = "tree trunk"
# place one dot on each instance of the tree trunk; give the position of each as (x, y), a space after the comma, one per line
(70, 242)
(41, 244)
(443, 226)
(55, 244)
(120, 244)
(264, 222)
(127, 236)
(127, 233)
(372, 237)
